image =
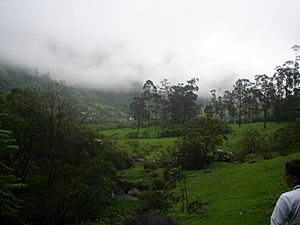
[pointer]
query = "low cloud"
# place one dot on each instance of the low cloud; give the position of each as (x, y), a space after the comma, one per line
(115, 44)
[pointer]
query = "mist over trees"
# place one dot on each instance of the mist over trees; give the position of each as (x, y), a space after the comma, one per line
(267, 98)
(275, 97)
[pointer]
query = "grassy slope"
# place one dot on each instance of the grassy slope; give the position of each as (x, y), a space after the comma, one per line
(239, 193)
(236, 193)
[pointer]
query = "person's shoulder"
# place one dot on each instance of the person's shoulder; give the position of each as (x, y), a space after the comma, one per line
(290, 194)
(284, 196)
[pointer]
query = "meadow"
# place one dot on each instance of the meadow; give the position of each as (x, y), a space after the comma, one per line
(236, 194)
(233, 193)
(121, 135)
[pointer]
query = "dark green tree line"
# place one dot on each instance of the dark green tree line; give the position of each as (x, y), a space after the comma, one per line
(172, 104)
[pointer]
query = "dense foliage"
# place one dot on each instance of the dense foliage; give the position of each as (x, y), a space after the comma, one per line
(254, 141)
(9, 183)
(202, 136)
(287, 140)
(66, 166)
(160, 195)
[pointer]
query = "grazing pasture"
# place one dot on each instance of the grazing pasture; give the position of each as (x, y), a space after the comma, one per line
(232, 193)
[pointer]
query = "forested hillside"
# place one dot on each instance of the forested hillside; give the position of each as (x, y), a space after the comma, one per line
(11, 77)
(107, 109)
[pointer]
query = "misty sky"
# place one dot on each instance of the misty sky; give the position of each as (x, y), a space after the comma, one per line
(113, 43)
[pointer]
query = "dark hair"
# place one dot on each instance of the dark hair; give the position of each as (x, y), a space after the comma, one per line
(151, 219)
(293, 168)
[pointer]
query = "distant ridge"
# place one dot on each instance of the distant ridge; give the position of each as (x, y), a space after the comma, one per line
(109, 109)
(11, 77)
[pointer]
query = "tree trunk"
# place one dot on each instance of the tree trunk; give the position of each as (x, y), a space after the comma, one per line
(265, 119)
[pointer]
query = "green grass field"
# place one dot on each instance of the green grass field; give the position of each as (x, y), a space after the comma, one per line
(235, 193)
(121, 135)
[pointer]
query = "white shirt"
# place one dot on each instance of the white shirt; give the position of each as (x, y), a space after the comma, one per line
(287, 209)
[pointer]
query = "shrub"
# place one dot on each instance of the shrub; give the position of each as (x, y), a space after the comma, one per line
(253, 141)
(202, 135)
(286, 140)
(160, 195)
(283, 141)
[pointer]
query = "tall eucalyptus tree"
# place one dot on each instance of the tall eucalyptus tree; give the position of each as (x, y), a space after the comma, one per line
(265, 93)
(242, 96)
(229, 104)
(151, 100)
(182, 101)
(217, 104)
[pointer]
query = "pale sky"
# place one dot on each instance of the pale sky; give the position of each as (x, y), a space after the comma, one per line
(112, 43)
